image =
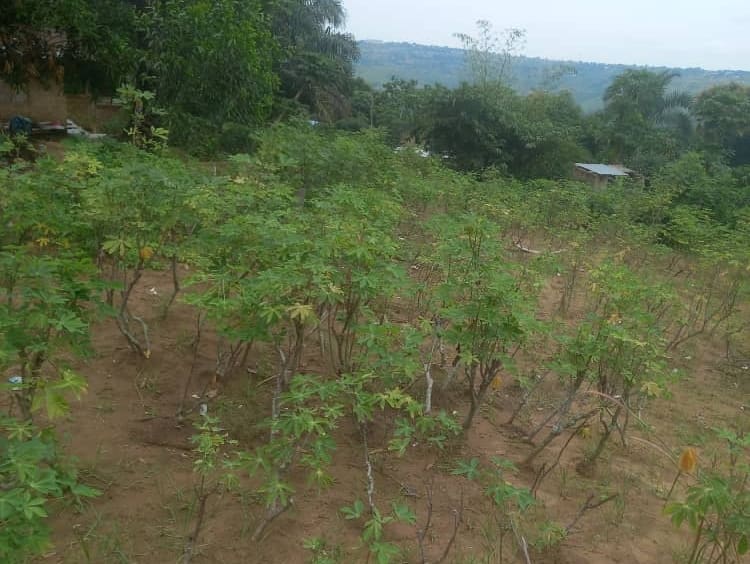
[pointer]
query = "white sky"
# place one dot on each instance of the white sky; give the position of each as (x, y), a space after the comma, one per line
(714, 34)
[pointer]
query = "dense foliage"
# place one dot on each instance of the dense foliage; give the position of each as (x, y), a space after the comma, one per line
(306, 247)
(398, 263)
(219, 69)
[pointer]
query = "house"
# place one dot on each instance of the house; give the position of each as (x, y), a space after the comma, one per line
(599, 175)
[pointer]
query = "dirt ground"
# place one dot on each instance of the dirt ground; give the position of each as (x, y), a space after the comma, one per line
(130, 445)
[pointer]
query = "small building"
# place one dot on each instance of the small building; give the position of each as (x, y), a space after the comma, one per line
(599, 175)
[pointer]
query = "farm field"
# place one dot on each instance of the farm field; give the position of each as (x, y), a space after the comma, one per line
(334, 352)
(257, 309)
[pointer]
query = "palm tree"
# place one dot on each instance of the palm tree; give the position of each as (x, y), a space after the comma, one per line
(642, 94)
(645, 118)
(317, 66)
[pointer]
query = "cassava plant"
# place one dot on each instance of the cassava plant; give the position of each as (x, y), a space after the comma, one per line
(353, 232)
(46, 304)
(33, 472)
(715, 266)
(373, 530)
(142, 116)
(135, 207)
(245, 246)
(301, 437)
(511, 503)
(213, 471)
(488, 311)
(716, 507)
(631, 363)
(617, 355)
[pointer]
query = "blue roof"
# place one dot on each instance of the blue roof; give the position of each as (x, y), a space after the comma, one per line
(602, 169)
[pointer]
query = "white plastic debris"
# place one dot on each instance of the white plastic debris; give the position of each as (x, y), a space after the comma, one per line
(72, 128)
(15, 381)
(204, 409)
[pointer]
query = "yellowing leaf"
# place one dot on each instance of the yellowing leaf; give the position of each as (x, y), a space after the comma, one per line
(651, 389)
(335, 289)
(146, 253)
(688, 460)
(51, 401)
(301, 312)
(614, 319)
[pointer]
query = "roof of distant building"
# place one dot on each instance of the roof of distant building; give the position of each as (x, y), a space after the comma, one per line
(603, 169)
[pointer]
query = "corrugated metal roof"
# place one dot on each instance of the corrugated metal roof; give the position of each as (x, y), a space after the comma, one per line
(602, 169)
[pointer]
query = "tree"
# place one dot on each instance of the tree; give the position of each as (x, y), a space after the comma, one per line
(723, 114)
(696, 181)
(476, 130)
(92, 40)
(489, 55)
(643, 94)
(316, 63)
(554, 128)
(645, 121)
(492, 126)
(400, 107)
(211, 63)
(362, 102)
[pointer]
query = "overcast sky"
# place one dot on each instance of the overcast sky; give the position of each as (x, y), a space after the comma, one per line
(713, 34)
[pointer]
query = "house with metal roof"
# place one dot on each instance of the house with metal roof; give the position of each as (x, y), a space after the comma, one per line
(599, 175)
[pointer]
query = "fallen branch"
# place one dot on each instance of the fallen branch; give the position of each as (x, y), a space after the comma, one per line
(524, 249)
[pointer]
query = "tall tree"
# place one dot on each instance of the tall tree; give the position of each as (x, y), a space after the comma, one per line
(316, 64)
(87, 44)
(400, 107)
(493, 126)
(210, 63)
(644, 95)
(490, 54)
(723, 114)
(646, 121)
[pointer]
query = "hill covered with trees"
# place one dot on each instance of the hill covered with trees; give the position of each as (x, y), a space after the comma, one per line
(380, 61)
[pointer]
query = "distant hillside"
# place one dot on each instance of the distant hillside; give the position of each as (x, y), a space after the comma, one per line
(587, 81)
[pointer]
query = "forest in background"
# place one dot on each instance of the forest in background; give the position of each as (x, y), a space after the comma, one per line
(381, 61)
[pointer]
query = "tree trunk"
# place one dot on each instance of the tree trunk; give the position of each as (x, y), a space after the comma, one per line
(589, 463)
